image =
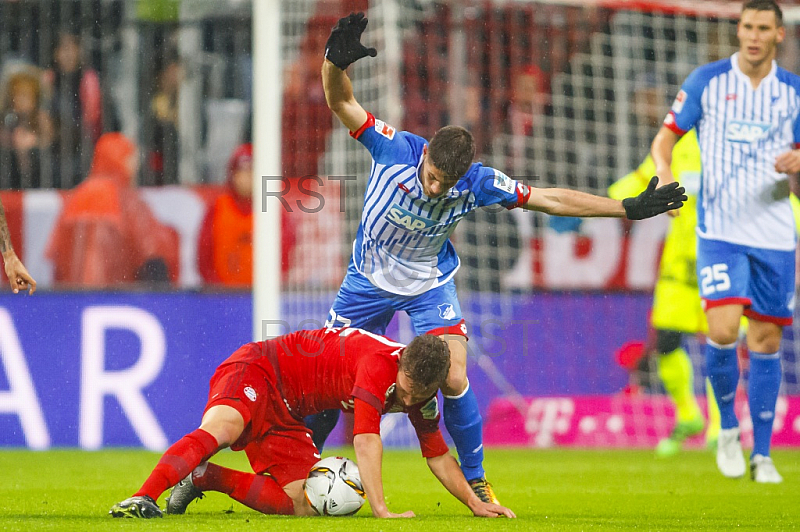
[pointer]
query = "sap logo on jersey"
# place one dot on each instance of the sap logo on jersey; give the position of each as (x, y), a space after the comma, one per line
(404, 219)
(746, 132)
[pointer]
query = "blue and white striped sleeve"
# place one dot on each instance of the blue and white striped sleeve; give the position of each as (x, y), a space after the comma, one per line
(687, 110)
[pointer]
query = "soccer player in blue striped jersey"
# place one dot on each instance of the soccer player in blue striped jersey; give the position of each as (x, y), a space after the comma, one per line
(402, 257)
(745, 109)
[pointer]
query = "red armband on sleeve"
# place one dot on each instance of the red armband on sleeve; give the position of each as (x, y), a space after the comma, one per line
(369, 123)
(523, 195)
(669, 123)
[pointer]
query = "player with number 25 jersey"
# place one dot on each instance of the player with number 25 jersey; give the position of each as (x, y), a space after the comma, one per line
(745, 109)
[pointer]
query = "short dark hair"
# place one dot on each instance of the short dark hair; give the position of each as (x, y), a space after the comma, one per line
(426, 361)
(765, 5)
(451, 150)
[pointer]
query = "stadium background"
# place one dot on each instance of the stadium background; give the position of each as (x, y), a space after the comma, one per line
(555, 94)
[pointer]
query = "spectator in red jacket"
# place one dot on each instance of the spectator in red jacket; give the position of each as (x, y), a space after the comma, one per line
(106, 235)
(225, 249)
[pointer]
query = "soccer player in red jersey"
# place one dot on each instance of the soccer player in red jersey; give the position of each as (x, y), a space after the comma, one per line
(258, 398)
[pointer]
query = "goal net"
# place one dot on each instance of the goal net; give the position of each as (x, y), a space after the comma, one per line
(556, 93)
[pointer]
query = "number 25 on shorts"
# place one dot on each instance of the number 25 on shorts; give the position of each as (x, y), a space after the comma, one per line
(714, 279)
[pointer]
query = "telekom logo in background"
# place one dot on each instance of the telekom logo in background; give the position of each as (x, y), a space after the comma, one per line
(547, 418)
(614, 421)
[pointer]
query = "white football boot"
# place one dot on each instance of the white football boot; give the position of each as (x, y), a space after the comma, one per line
(763, 470)
(730, 459)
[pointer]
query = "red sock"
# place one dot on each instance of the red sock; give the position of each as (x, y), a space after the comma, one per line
(259, 492)
(179, 460)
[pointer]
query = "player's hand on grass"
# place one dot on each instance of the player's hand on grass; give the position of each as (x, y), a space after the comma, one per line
(17, 274)
(484, 509)
(654, 201)
(389, 515)
(344, 44)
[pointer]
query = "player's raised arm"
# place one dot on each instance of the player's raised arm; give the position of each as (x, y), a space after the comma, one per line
(564, 202)
(342, 49)
(369, 454)
(446, 469)
(16, 272)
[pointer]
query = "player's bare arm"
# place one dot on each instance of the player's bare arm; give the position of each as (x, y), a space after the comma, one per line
(339, 95)
(661, 150)
(446, 469)
(788, 162)
(369, 454)
(342, 49)
(16, 272)
(563, 202)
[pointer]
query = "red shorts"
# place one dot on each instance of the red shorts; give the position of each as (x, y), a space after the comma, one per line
(275, 442)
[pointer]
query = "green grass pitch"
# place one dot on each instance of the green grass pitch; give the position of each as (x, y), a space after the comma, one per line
(548, 489)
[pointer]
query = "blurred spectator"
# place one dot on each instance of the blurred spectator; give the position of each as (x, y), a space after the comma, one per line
(225, 250)
(306, 117)
(163, 159)
(528, 103)
(77, 109)
(509, 233)
(26, 130)
(529, 98)
(106, 236)
(649, 103)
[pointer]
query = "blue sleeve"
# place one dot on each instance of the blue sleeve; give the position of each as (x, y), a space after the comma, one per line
(686, 109)
(796, 131)
(793, 82)
(492, 187)
(383, 141)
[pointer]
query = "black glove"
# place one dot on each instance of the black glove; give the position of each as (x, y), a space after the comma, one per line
(654, 200)
(344, 45)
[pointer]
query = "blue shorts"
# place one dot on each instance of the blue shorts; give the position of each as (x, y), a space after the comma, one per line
(760, 279)
(360, 304)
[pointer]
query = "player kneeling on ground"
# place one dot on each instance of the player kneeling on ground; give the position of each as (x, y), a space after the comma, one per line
(258, 398)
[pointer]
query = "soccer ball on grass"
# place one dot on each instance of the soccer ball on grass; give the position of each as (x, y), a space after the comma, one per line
(333, 487)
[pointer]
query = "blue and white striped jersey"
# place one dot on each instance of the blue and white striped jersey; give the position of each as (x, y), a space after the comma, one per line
(741, 130)
(403, 242)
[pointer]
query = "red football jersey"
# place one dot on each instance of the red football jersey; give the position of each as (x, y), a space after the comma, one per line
(346, 369)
